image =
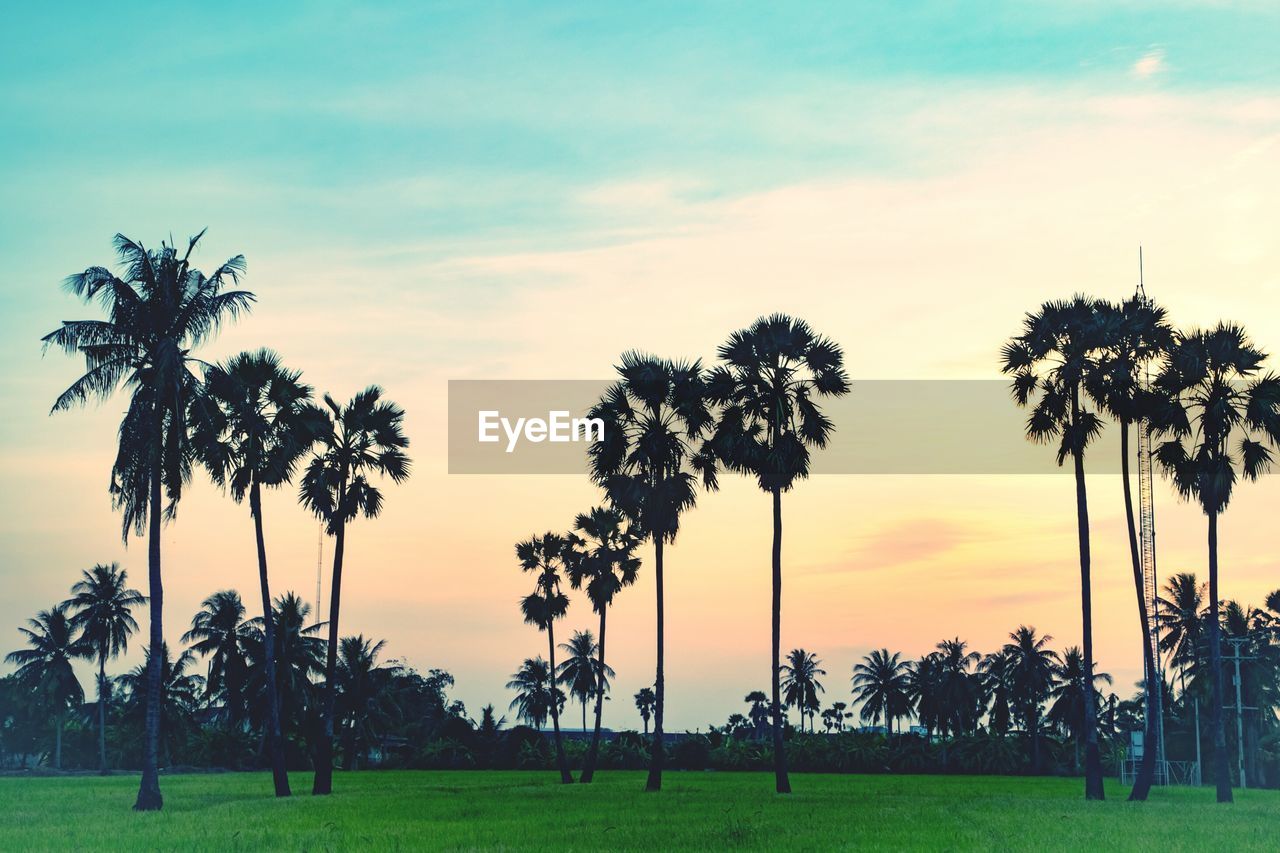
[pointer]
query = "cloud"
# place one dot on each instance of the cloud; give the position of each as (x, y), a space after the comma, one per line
(1150, 64)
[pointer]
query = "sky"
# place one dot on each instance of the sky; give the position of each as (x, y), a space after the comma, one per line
(427, 192)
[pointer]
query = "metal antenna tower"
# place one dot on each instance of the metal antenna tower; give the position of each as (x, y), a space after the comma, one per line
(1150, 587)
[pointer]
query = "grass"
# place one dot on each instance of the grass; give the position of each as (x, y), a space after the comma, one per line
(524, 810)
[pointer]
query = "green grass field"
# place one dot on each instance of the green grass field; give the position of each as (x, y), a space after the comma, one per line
(522, 810)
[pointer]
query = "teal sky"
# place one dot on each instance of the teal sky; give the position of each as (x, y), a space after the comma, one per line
(427, 192)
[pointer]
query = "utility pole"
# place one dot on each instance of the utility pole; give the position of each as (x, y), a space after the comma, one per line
(1236, 643)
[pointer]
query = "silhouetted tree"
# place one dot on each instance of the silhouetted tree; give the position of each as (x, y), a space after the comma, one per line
(645, 700)
(45, 666)
(545, 556)
(800, 685)
(1032, 666)
(880, 684)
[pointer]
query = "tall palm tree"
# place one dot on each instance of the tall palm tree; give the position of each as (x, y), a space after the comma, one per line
(773, 377)
(645, 701)
(603, 559)
(1137, 336)
(1220, 417)
(251, 430)
(880, 684)
(1032, 666)
(532, 683)
(546, 558)
(800, 685)
(1051, 362)
(1068, 694)
(218, 631)
(101, 607)
(353, 443)
(649, 462)
(159, 312)
(580, 670)
(45, 666)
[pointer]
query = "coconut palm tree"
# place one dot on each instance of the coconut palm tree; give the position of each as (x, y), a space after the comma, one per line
(996, 672)
(580, 670)
(924, 691)
(800, 685)
(45, 666)
(880, 684)
(101, 606)
(252, 428)
(353, 444)
(603, 560)
(532, 683)
(1032, 667)
(180, 692)
(1068, 695)
(1051, 362)
(1182, 635)
(300, 658)
(962, 695)
(365, 703)
(774, 375)
(1219, 418)
(645, 701)
(218, 632)
(648, 463)
(546, 557)
(1137, 336)
(159, 312)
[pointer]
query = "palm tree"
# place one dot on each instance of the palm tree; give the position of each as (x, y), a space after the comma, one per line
(45, 667)
(158, 314)
(645, 701)
(1182, 629)
(1051, 362)
(1137, 335)
(837, 714)
(758, 710)
(364, 702)
(648, 465)
(250, 433)
(1032, 666)
(300, 657)
(1220, 417)
(101, 603)
(355, 442)
(603, 559)
(532, 683)
(218, 631)
(996, 671)
(800, 685)
(580, 670)
(546, 557)
(880, 684)
(961, 692)
(179, 696)
(924, 691)
(1068, 693)
(774, 374)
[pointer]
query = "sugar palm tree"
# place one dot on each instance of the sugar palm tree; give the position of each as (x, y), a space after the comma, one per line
(546, 558)
(101, 606)
(218, 631)
(649, 462)
(532, 683)
(1032, 665)
(1220, 417)
(603, 560)
(159, 312)
(1137, 336)
(353, 444)
(1051, 362)
(1068, 695)
(645, 700)
(252, 428)
(800, 685)
(774, 375)
(45, 666)
(757, 710)
(880, 684)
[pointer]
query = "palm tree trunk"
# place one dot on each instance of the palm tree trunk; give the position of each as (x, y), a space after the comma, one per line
(1092, 755)
(782, 783)
(1146, 770)
(57, 741)
(323, 783)
(565, 776)
(279, 774)
(102, 713)
(654, 782)
(149, 797)
(1221, 772)
(589, 766)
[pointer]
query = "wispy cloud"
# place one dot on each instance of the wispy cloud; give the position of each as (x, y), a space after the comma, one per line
(1150, 64)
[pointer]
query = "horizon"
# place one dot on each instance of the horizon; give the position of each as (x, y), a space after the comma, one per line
(450, 197)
